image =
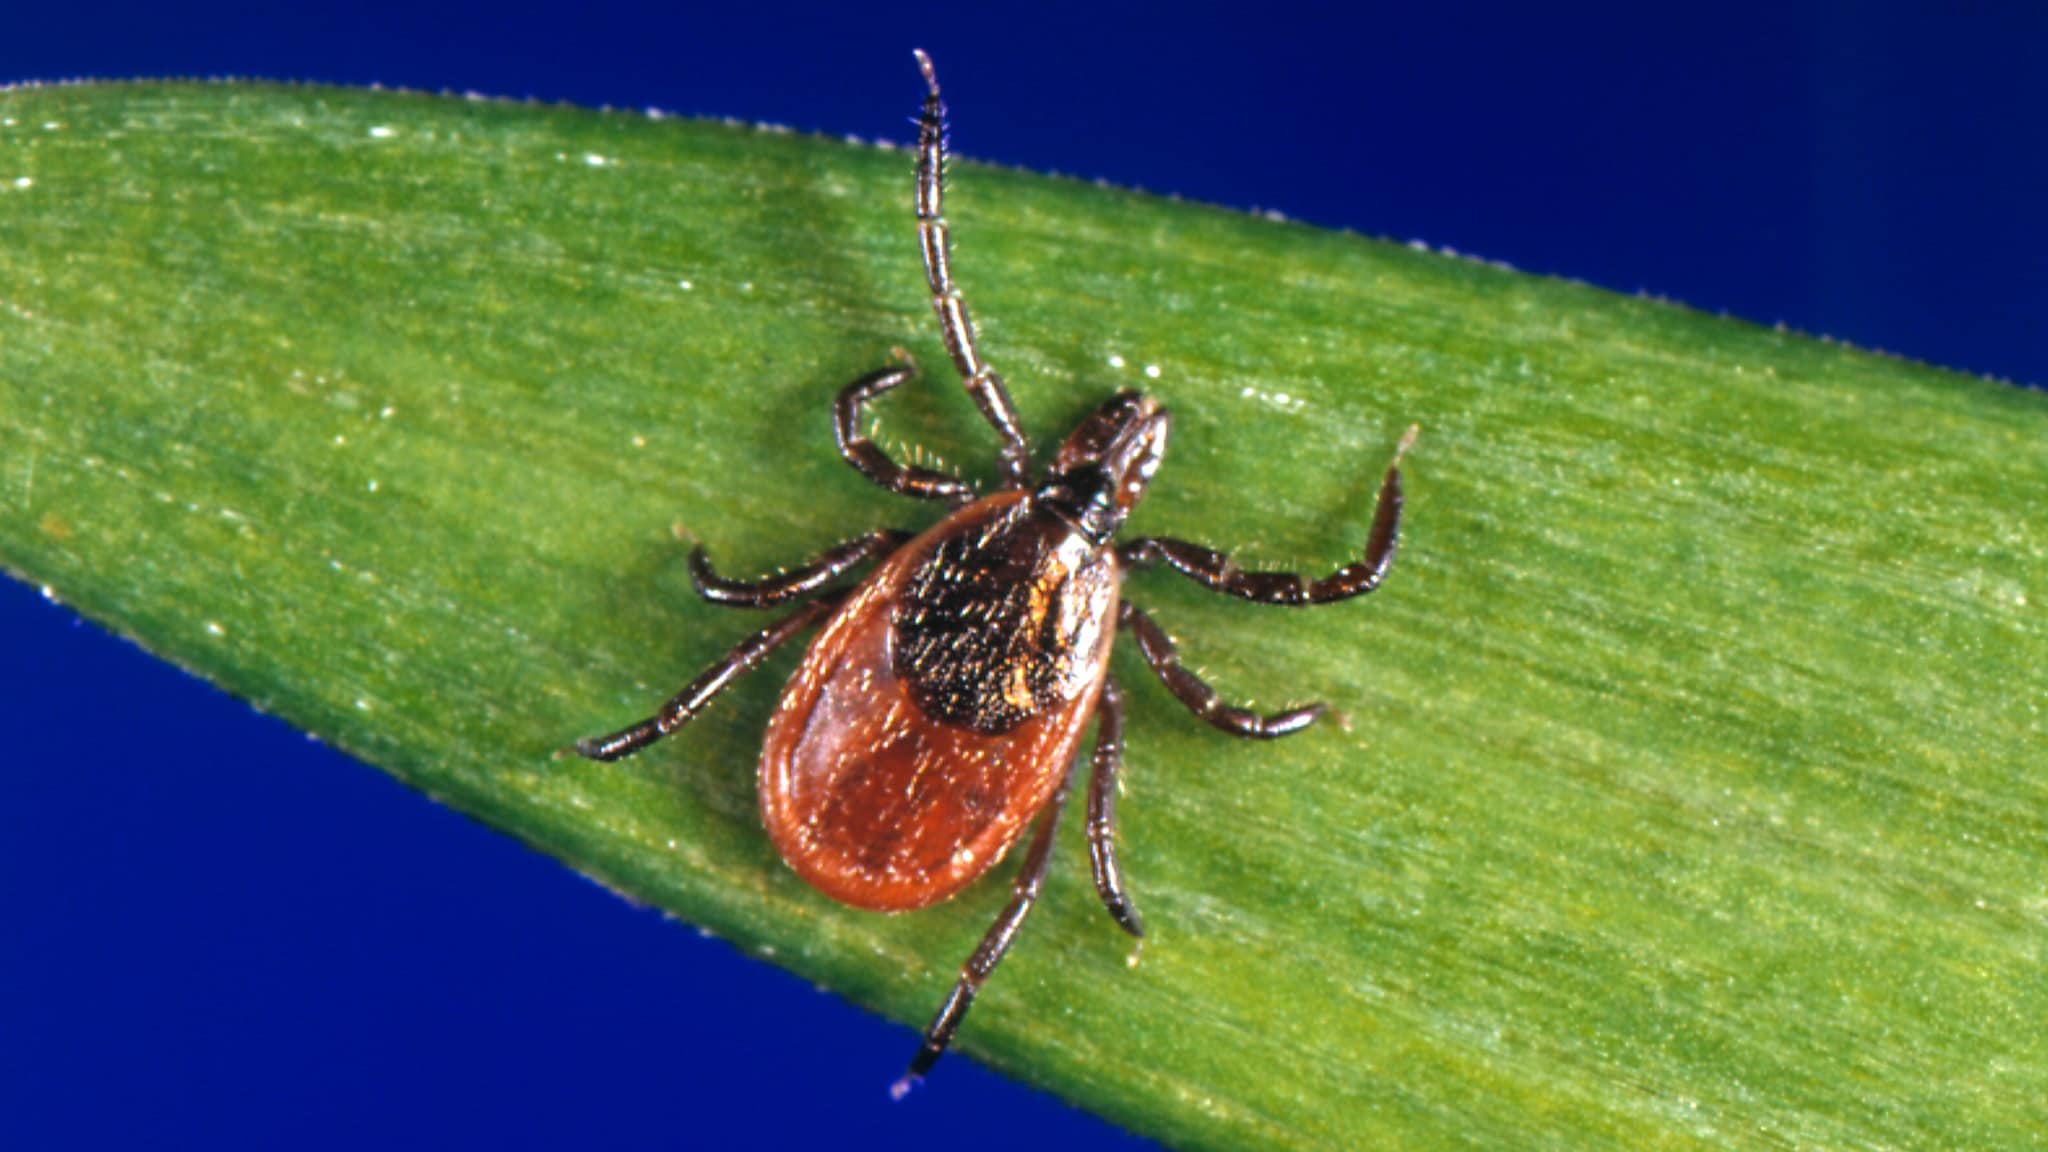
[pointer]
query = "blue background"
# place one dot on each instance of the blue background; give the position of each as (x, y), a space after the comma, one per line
(242, 939)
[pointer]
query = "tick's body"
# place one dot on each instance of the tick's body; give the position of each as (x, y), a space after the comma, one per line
(940, 709)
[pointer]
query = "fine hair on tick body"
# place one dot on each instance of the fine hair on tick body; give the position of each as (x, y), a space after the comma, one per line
(940, 710)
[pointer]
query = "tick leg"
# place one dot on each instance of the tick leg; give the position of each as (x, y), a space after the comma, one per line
(743, 659)
(1109, 759)
(993, 946)
(982, 383)
(827, 567)
(1198, 696)
(859, 451)
(1214, 569)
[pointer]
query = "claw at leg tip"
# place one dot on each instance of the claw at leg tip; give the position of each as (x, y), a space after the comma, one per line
(903, 1086)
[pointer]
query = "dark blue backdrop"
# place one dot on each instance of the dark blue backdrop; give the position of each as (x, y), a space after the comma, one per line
(241, 939)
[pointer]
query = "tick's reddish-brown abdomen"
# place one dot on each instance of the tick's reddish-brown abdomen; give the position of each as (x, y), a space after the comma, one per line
(878, 804)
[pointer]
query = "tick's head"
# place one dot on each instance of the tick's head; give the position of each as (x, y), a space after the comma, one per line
(1101, 471)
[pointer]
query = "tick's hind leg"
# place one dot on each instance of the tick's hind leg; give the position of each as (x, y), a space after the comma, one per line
(1214, 569)
(983, 385)
(872, 462)
(827, 567)
(1000, 935)
(744, 658)
(1102, 784)
(1198, 696)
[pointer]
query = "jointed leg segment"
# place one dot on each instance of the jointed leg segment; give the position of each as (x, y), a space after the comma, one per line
(827, 567)
(684, 707)
(870, 461)
(993, 946)
(1215, 570)
(1109, 756)
(1198, 696)
(982, 383)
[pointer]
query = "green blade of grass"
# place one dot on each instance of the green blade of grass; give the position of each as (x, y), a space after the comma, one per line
(1689, 793)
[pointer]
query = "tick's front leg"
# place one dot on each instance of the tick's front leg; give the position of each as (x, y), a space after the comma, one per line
(935, 238)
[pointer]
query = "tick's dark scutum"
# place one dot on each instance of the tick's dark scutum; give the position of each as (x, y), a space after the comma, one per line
(1002, 622)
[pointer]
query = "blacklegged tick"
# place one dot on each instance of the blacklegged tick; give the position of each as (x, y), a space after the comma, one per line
(940, 709)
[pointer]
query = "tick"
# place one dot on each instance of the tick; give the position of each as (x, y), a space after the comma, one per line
(939, 711)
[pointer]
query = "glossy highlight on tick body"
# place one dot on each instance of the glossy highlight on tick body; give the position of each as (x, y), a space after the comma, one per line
(940, 709)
